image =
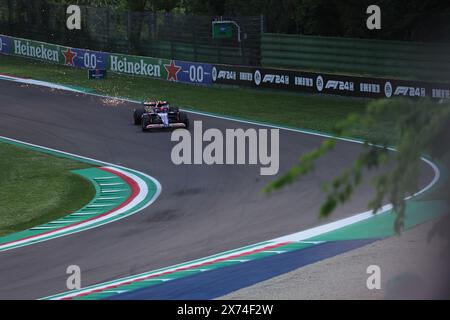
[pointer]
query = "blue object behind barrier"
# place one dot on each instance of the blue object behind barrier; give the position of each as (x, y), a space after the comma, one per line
(5, 44)
(97, 74)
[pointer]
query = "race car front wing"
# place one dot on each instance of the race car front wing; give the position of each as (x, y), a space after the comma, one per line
(161, 125)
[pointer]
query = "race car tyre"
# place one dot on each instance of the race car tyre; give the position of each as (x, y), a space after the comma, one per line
(137, 116)
(174, 109)
(145, 122)
(184, 119)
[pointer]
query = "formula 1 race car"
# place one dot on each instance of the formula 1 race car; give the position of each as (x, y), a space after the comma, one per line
(159, 115)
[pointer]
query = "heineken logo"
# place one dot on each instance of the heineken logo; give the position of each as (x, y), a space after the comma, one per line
(38, 51)
(136, 66)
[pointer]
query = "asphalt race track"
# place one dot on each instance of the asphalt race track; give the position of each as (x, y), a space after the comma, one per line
(202, 210)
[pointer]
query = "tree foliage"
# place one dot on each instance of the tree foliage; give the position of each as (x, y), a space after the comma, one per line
(422, 128)
(417, 20)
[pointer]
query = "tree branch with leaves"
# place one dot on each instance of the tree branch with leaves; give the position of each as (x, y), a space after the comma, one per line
(422, 128)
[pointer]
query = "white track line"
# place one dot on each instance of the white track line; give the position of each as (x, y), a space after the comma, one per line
(97, 222)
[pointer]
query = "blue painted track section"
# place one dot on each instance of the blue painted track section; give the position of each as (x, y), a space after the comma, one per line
(216, 283)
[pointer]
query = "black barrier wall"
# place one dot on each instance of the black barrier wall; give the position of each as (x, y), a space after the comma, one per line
(309, 82)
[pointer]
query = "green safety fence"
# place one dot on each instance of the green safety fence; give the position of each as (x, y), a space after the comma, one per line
(424, 61)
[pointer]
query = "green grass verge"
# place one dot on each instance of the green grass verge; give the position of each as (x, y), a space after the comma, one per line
(36, 188)
(311, 112)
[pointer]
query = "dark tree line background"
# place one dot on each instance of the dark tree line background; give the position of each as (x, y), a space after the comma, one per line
(410, 20)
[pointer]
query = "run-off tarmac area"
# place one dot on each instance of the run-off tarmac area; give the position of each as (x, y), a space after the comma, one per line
(413, 266)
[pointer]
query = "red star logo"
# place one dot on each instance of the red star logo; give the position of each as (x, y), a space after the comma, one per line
(172, 71)
(69, 56)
